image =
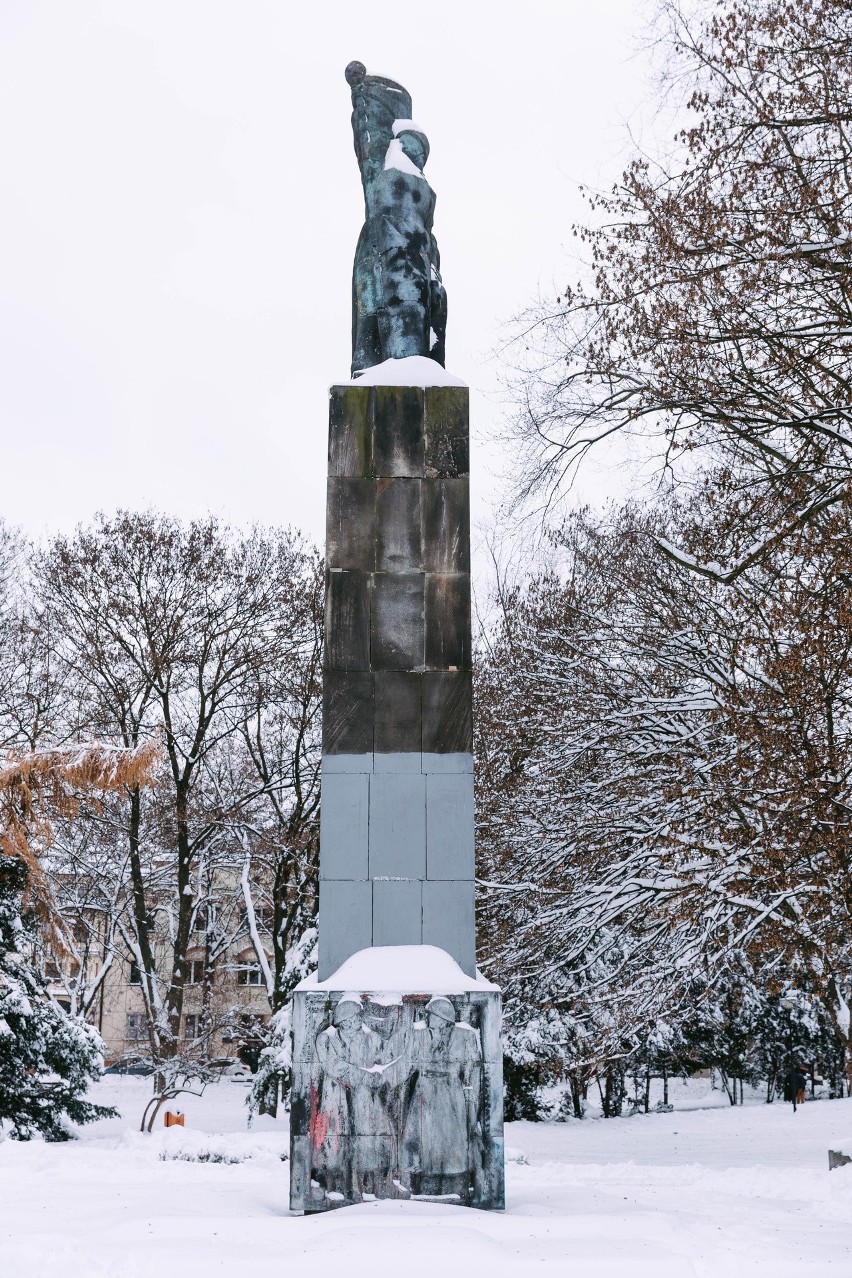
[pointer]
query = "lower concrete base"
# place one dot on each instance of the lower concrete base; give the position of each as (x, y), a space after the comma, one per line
(396, 1096)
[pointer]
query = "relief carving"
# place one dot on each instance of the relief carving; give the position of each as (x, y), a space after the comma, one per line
(396, 1102)
(442, 1119)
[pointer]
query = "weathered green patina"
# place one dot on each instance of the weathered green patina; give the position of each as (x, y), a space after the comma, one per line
(399, 306)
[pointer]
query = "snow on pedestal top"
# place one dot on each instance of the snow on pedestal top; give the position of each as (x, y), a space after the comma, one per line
(413, 370)
(410, 969)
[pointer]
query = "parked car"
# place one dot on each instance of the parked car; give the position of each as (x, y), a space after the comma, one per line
(230, 1067)
(131, 1065)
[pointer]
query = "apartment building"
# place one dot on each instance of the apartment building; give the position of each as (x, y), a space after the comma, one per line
(225, 995)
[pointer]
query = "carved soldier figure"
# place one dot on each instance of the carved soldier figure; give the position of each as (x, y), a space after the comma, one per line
(352, 1134)
(444, 1110)
(399, 306)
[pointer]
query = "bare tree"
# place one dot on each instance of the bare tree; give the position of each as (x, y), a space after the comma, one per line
(166, 632)
(716, 315)
(666, 772)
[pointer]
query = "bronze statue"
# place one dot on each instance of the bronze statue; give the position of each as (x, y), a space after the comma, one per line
(399, 306)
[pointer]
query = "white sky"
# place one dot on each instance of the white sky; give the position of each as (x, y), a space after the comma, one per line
(179, 206)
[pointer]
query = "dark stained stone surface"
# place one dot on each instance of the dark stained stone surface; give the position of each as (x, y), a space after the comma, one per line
(398, 712)
(446, 525)
(447, 455)
(350, 432)
(347, 621)
(447, 448)
(398, 431)
(398, 525)
(347, 712)
(448, 621)
(448, 712)
(350, 528)
(397, 640)
(447, 410)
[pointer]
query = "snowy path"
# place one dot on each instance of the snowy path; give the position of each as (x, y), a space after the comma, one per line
(717, 1193)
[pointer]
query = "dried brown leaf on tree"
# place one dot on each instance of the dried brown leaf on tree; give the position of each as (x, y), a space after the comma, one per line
(38, 786)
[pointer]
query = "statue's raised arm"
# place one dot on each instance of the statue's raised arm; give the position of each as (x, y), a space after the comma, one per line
(399, 306)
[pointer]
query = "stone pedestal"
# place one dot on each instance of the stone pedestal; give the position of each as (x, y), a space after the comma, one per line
(396, 837)
(396, 1096)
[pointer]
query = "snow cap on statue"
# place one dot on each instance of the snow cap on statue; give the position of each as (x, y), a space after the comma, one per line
(442, 1007)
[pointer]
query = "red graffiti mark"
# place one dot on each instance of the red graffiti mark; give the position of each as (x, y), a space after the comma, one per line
(318, 1128)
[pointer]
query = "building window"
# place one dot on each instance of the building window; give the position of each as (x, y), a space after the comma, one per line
(249, 974)
(263, 916)
(195, 972)
(135, 1027)
(51, 970)
(192, 1026)
(135, 977)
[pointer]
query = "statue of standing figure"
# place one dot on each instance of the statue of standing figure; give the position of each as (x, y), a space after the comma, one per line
(399, 306)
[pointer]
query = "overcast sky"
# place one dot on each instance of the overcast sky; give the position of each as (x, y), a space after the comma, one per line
(179, 206)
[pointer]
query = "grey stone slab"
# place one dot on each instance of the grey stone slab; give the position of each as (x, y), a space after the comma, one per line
(397, 826)
(347, 712)
(446, 763)
(398, 525)
(398, 444)
(347, 620)
(449, 826)
(448, 920)
(345, 922)
(344, 815)
(447, 713)
(493, 1092)
(300, 1174)
(398, 628)
(491, 1029)
(398, 713)
(490, 1192)
(334, 763)
(448, 629)
(407, 763)
(301, 1025)
(447, 413)
(397, 912)
(350, 432)
(350, 523)
(446, 525)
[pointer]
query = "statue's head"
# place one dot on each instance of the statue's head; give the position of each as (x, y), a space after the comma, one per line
(347, 1015)
(415, 145)
(440, 1015)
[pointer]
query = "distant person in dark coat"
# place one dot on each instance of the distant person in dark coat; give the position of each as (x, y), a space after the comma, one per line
(794, 1089)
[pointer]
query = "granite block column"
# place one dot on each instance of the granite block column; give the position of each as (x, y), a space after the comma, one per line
(396, 839)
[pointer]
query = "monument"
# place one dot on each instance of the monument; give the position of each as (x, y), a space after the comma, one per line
(397, 1060)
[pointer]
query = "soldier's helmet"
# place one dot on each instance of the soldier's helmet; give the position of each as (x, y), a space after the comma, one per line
(346, 1007)
(442, 1007)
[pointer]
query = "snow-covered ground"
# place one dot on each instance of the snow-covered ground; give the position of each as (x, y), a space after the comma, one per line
(698, 1193)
